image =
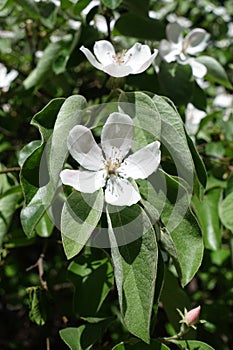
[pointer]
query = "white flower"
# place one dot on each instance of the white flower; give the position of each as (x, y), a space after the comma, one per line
(180, 49)
(193, 117)
(134, 61)
(107, 166)
(6, 78)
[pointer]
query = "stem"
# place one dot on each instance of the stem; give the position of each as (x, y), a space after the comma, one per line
(10, 170)
(40, 265)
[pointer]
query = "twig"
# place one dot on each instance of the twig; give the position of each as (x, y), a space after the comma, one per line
(47, 344)
(10, 170)
(40, 265)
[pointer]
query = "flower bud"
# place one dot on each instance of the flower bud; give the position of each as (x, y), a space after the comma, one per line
(192, 316)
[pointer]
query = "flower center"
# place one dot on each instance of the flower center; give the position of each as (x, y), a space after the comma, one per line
(112, 168)
(119, 57)
(113, 162)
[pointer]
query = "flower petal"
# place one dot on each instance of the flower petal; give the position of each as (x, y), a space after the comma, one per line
(174, 33)
(139, 58)
(84, 181)
(84, 149)
(196, 41)
(117, 70)
(199, 70)
(117, 135)
(104, 52)
(121, 192)
(142, 163)
(91, 58)
(169, 51)
(147, 63)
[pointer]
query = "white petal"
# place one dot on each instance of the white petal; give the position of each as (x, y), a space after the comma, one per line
(147, 63)
(174, 32)
(117, 135)
(84, 181)
(199, 70)
(91, 58)
(117, 70)
(84, 149)
(168, 50)
(104, 52)
(139, 58)
(121, 192)
(142, 163)
(196, 41)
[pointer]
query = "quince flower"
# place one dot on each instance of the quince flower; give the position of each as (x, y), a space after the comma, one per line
(180, 49)
(6, 78)
(106, 165)
(134, 61)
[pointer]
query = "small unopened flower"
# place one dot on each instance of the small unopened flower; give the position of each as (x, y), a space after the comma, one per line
(182, 49)
(106, 166)
(190, 318)
(6, 78)
(133, 61)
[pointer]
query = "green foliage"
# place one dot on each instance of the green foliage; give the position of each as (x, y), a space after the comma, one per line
(130, 267)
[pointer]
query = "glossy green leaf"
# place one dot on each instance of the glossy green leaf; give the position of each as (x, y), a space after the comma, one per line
(8, 204)
(45, 119)
(207, 214)
(45, 64)
(226, 211)
(45, 226)
(140, 27)
(138, 345)
(88, 274)
(79, 218)
(83, 337)
(27, 150)
(215, 71)
(135, 266)
(112, 4)
(176, 81)
(192, 345)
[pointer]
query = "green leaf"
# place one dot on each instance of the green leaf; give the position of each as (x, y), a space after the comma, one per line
(207, 214)
(80, 216)
(183, 228)
(45, 64)
(173, 297)
(176, 81)
(32, 214)
(38, 305)
(8, 204)
(83, 337)
(27, 150)
(137, 26)
(135, 266)
(45, 226)
(138, 345)
(173, 137)
(112, 4)
(215, 71)
(137, 6)
(226, 211)
(30, 7)
(88, 274)
(45, 119)
(145, 116)
(192, 345)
